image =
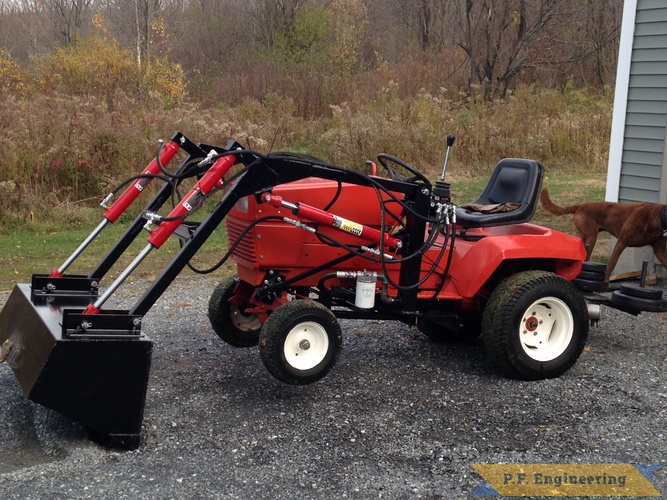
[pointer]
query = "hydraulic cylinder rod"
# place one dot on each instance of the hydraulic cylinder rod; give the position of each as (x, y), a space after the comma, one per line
(114, 211)
(320, 216)
(167, 152)
(211, 179)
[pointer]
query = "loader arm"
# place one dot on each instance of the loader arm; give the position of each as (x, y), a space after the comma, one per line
(76, 353)
(265, 174)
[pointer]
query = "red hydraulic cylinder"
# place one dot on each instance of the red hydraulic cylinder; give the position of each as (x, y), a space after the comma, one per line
(212, 178)
(321, 217)
(124, 200)
(130, 194)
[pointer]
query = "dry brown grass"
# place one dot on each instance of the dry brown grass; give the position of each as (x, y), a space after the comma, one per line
(62, 151)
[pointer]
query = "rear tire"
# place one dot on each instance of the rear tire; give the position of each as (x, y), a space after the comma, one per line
(535, 325)
(229, 320)
(300, 342)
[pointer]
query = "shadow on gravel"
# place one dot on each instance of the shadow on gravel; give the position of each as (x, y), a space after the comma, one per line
(31, 434)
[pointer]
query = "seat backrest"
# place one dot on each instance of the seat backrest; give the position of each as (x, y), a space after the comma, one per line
(509, 183)
(513, 181)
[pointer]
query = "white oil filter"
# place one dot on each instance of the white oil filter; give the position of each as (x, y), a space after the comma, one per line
(365, 294)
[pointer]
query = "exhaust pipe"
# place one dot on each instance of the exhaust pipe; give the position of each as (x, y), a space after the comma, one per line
(594, 314)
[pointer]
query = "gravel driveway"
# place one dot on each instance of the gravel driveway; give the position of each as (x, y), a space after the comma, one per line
(398, 417)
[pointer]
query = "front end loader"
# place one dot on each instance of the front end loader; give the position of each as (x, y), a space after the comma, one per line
(312, 243)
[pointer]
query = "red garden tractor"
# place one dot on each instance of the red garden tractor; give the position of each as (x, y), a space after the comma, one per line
(312, 243)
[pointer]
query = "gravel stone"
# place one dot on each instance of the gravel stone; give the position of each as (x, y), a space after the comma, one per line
(398, 416)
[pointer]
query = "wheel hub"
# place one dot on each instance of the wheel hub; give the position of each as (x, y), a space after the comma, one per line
(546, 329)
(244, 322)
(532, 323)
(306, 345)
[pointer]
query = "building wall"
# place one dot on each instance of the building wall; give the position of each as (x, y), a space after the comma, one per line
(646, 113)
(636, 156)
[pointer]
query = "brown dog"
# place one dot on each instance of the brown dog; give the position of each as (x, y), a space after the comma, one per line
(633, 225)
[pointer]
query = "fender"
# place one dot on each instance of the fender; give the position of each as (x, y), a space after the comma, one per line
(479, 253)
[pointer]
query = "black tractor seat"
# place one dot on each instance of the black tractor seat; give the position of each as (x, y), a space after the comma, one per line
(510, 196)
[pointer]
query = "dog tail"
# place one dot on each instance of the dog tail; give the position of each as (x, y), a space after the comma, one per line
(550, 206)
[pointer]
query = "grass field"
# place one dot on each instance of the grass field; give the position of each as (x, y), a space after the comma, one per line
(39, 247)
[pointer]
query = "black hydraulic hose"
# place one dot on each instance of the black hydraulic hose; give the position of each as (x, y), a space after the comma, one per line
(448, 264)
(320, 283)
(369, 180)
(164, 171)
(214, 190)
(426, 276)
(339, 189)
(129, 180)
(166, 177)
(233, 246)
(378, 188)
(445, 274)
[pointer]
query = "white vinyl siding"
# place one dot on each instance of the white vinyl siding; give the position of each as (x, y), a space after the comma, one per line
(646, 112)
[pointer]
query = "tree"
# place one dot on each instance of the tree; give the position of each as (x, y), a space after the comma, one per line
(602, 24)
(270, 17)
(69, 17)
(429, 19)
(99, 67)
(502, 38)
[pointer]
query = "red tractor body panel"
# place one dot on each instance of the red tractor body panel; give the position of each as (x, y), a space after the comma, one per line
(289, 250)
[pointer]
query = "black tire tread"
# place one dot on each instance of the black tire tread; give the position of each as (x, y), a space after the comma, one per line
(275, 329)
(594, 267)
(641, 292)
(591, 286)
(497, 317)
(219, 316)
(625, 302)
(591, 276)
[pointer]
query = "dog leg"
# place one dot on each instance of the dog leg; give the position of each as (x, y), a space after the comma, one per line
(613, 258)
(589, 243)
(660, 251)
(587, 231)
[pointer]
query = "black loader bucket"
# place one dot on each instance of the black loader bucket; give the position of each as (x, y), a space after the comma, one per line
(73, 351)
(96, 375)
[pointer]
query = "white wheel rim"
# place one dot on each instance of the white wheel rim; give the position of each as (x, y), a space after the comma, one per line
(306, 345)
(546, 329)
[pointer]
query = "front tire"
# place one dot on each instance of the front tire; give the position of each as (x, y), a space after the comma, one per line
(535, 325)
(300, 342)
(229, 320)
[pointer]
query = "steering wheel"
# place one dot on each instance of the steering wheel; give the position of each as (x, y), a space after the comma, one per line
(418, 176)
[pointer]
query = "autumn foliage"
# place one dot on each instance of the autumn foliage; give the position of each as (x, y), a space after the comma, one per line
(341, 79)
